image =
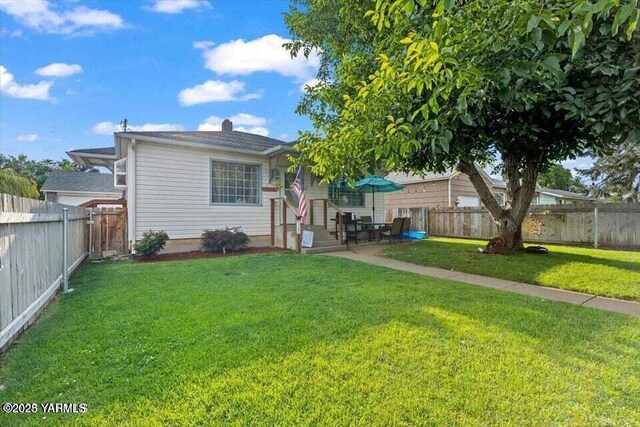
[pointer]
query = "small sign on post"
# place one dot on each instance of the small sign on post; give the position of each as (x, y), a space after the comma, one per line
(307, 239)
(298, 238)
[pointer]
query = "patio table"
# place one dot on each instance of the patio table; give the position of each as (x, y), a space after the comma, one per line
(375, 229)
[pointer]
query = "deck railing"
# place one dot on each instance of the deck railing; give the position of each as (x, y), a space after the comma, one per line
(325, 209)
(285, 231)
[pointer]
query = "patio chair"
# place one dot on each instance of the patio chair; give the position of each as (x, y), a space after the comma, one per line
(394, 231)
(406, 225)
(351, 229)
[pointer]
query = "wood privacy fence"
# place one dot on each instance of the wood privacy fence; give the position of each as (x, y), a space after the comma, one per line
(605, 224)
(31, 257)
(419, 217)
(108, 231)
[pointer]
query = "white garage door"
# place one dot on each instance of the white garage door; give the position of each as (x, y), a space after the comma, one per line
(465, 201)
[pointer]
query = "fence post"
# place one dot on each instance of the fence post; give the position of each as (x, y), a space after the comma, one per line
(90, 232)
(595, 227)
(65, 263)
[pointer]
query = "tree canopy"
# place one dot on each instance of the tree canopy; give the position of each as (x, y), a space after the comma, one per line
(36, 171)
(416, 85)
(617, 174)
(560, 178)
(12, 183)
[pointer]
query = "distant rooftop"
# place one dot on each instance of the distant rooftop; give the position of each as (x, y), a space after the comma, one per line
(564, 194)
(80, 182)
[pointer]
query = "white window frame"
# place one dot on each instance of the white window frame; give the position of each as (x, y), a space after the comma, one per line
(258, 182)
(117, 173)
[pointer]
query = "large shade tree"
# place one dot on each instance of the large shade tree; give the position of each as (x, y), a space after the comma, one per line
(417, 85)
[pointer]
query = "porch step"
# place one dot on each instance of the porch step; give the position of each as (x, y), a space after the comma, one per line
(324, 249)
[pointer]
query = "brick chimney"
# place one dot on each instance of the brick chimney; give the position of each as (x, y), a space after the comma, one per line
(227, 125)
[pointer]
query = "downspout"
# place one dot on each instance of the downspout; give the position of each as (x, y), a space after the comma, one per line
(131, 193)
(449, 188)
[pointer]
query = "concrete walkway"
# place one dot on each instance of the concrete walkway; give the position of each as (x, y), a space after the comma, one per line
(369, 255)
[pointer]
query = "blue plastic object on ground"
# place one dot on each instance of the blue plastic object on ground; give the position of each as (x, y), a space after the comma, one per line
(414, 235)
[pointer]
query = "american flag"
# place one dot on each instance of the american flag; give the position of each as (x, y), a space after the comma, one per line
(298, 188)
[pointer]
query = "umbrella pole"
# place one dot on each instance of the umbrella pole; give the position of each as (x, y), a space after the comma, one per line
(373, 204)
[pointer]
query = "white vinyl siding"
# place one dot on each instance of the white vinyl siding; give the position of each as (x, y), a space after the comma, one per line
(78, 199)
(173, 193)
(318, 191)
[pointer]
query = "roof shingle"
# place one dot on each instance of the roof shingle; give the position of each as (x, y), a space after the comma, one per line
(80, 181)
(224, 139)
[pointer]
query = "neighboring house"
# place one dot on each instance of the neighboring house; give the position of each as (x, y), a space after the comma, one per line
(187, 182)
(449, 189)
(77, 188)
(454, 189)
(550, 196)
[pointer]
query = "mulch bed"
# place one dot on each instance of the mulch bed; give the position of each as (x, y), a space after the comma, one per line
(200, 254)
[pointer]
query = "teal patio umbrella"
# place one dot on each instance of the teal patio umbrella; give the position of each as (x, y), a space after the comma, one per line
(377, 184)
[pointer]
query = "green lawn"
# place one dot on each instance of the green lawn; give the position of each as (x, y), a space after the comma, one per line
(601, 272)
(283, 339)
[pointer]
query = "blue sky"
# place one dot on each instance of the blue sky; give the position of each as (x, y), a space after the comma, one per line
(72, 70)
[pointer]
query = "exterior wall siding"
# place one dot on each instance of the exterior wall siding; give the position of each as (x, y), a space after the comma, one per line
(77, 200)
(173, 193)
(172, 187)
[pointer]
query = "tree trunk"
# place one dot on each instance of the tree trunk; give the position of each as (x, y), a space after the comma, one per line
(520, 192)
(511, 231)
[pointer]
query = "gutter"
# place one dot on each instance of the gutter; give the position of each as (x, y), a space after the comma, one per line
(131, 193)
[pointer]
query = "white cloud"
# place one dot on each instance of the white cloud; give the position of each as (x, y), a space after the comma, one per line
(107, 128)
(59, 69)
(258, 130)
(203, 44)
(242, 122)
(9, 33)
(309, 83)
(239, 57)
(40, 16)
(173, 7)
(27, 138)
(215, 91)
(10, 87)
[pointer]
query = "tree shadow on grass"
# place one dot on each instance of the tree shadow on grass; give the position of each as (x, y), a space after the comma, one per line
(530, 268)
(133, 335)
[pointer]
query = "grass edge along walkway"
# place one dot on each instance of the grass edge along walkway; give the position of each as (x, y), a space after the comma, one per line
(578, 298)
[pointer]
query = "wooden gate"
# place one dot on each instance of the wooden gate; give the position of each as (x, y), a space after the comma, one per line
(109, 232)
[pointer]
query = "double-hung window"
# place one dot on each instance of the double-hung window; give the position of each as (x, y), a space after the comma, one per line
(235, 183)
(344, 196)
(120, 173)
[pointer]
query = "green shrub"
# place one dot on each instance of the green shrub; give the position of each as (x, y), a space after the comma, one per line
(221, 240)
(151, 243)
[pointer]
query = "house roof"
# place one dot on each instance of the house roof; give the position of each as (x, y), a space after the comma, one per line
(404, 178)
(226, 140)
(105, 151)
(564, 194)
(89, 182)
(103, 157)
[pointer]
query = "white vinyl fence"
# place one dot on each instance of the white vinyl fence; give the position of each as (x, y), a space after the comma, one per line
(31, 257)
